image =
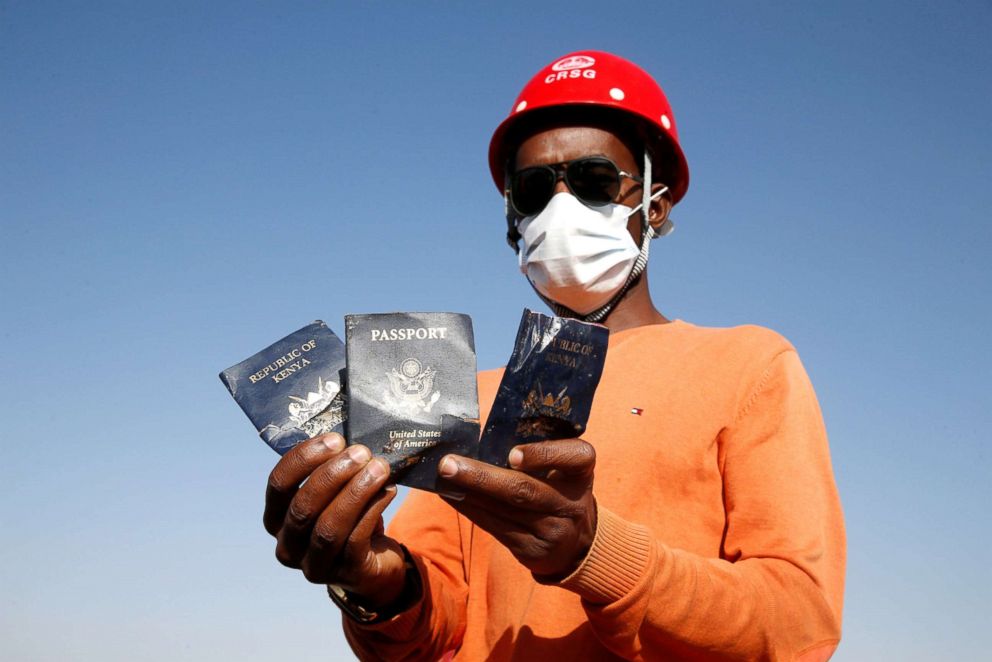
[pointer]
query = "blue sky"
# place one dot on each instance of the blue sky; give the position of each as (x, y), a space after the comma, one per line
(183, 183)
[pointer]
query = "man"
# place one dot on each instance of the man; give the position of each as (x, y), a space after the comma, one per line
(698, 518)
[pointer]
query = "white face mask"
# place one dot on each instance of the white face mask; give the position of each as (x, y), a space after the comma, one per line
(576, 255)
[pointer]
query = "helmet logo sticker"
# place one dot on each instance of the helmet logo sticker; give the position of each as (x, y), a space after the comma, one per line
(573, 62)
(573, 66)
(617, 94)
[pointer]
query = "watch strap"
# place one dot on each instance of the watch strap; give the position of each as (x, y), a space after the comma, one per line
(351, 604)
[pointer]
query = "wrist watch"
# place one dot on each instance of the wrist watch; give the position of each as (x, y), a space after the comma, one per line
(352, 606)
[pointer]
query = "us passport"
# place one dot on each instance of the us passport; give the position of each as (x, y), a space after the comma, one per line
(548, 385)
(292, 390)
(412, 395)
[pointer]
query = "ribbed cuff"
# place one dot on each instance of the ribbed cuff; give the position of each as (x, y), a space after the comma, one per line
(615, 563)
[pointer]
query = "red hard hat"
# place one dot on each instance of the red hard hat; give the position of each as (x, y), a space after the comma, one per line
(605, 80)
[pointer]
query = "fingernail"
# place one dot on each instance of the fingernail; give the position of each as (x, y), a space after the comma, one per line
(516, 457)
(334, 442)
(448, 467)
(451, 495)
(359, 454)
(377, 468)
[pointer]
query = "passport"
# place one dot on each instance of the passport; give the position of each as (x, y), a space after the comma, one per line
(292, 390)
(548, 386)
(411, 388)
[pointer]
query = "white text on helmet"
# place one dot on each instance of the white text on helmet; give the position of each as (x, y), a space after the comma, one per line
(574, 73)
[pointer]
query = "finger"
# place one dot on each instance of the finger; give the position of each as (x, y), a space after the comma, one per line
(527, 512)
(545, 544)
(569, 457)
(339, 518)
(321, 488)
(494, 522)
(291, 470)
(320, 561)
(521, 538)
(513, 489)
(370, 524)
(521, 518)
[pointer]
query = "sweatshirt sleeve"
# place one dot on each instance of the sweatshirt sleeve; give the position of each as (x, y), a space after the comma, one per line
(434, 626)
(776, 591)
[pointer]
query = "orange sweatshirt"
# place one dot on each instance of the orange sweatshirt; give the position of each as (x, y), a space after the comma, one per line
(720, 533)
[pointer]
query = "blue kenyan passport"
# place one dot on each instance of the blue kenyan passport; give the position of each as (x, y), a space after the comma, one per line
(548, 386)
(292, 390)
(412, 393)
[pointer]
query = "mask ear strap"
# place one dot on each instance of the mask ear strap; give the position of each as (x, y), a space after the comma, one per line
(667, 226)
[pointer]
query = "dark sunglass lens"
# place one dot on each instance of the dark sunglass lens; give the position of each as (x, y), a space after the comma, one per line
(531, 189)
(595, 180)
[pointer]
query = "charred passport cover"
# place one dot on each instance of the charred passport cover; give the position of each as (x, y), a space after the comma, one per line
(292, 390)
(412, 394)
(548, 386)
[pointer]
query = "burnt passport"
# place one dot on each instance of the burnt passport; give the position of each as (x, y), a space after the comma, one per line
(292, 390)
(548, 386)
(412, 395)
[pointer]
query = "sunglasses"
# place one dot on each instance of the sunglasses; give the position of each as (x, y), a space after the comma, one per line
(595, 180)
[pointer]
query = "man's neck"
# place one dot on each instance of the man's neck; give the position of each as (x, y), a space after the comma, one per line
(635, 309)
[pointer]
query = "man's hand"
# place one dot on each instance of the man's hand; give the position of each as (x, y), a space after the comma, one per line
(324, 506)
(542, 509)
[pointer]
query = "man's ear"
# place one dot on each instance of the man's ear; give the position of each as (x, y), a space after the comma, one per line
(661, 207)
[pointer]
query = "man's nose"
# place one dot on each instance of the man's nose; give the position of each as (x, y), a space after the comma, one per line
(560, 185)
